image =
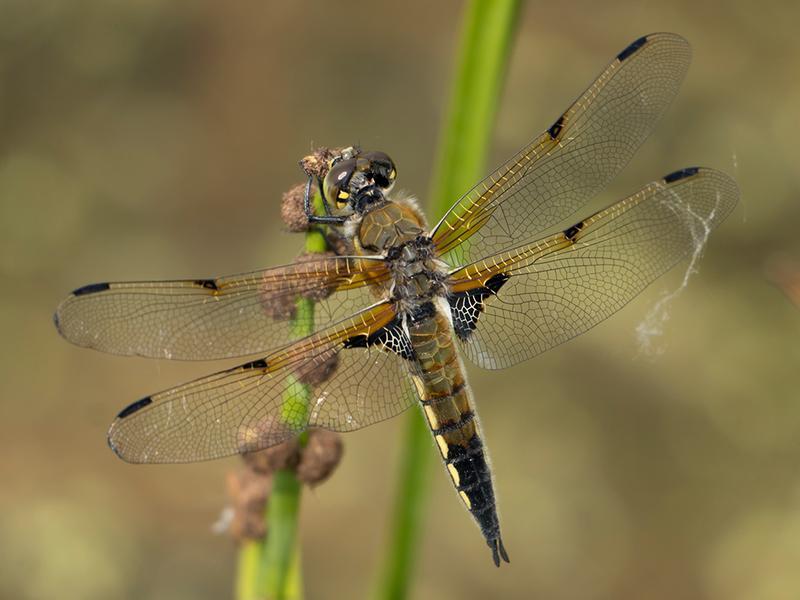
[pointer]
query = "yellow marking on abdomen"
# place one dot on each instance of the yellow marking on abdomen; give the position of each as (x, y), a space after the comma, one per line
(420, 385)
(432, 419)
(442, 445)
(466, 499)
(454, 474)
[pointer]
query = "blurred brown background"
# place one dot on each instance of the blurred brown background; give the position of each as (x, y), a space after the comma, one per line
(153, 139)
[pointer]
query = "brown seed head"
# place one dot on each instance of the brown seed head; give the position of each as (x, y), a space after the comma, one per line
(278, 299)
(320, 457)
(317, 163)
(248, 491)
(293, 210)
(317, 371)
(263, 433)
(285, 455)
(340, 245)
(317, 292)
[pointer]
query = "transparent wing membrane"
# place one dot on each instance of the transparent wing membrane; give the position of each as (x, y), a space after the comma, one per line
(218, 318)
(556, 288)
(267, 401)
(510, 297)
(563, 168)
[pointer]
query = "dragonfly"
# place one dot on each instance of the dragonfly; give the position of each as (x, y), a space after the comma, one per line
(507, 273)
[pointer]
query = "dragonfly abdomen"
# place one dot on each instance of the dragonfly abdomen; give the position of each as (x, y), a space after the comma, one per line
(447, 403)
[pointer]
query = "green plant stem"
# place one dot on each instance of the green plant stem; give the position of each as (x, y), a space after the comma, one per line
(486, 37)
(395, 581)
(271, 569)
(248, 569)
(464, 140)
(281, 549)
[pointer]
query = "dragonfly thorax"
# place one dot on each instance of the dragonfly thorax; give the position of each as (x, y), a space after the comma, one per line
(417, 276)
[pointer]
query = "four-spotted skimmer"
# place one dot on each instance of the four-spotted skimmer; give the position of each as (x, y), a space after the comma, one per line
(392, 319)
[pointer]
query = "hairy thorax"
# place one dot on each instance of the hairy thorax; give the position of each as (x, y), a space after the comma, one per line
(397, 230)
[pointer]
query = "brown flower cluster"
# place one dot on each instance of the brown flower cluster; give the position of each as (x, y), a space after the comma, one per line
(249, 488)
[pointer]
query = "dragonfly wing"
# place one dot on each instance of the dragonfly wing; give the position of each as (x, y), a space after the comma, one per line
(342, 378)
(517, 304)
(218, 318)
(564, 167)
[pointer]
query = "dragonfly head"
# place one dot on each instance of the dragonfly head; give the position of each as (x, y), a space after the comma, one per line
(356, 180)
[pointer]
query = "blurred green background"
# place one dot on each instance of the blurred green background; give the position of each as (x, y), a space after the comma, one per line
(153, 139)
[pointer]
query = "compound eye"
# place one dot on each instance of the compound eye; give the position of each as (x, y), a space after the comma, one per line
(337, 181)
(382, 168)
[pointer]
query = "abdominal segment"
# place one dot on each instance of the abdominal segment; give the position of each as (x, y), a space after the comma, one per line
(446, 402)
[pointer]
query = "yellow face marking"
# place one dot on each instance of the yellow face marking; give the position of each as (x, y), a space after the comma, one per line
(454, 474)
(344, 195)
(442, 444)
(465, 498)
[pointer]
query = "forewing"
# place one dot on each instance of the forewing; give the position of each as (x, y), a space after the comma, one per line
(332, 379)
(218, 318)
(562, 169)
(515, 305)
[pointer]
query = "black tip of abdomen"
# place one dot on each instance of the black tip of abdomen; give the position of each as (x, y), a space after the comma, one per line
(498, 550)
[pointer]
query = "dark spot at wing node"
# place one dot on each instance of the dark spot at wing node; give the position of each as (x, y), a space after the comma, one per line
(136, 406)
(571, 232)
(255, 364)
(631, 49)
(208, 284)
(681, 174)
(555, 128)
(92, 288)
(466, 307)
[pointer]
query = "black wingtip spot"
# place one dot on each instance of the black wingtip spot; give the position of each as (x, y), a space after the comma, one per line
(136, 406)
(555, 128)
(255, 364)
(631, 49)
(208, 284)
(92, 288)
(681, 174)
